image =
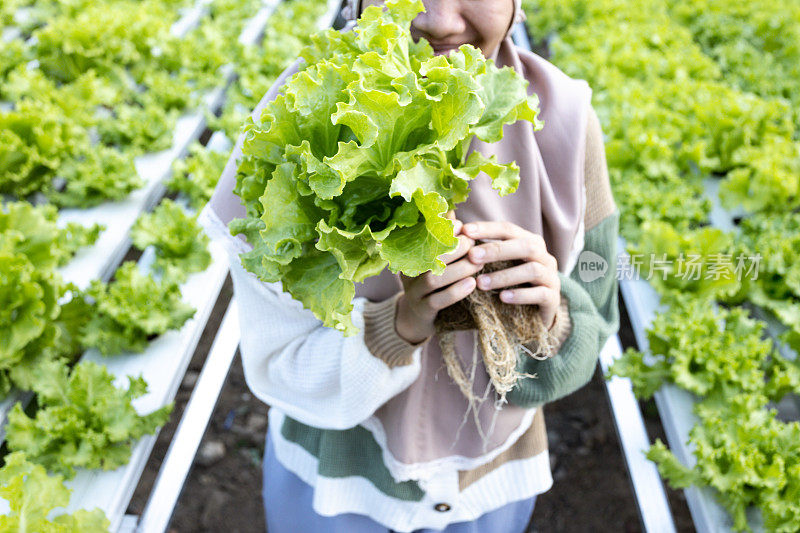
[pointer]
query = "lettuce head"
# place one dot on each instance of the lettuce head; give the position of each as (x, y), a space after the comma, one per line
(353, 167)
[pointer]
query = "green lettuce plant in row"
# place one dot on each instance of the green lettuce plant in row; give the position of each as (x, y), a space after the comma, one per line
(33, 496)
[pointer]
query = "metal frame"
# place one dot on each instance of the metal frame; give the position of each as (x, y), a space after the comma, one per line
(648, 489)
(184, 445)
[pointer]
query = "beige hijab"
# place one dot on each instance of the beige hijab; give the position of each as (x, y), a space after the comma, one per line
(427, 428)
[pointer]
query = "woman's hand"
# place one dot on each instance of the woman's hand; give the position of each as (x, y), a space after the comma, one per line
(540, 268)
(427, 293)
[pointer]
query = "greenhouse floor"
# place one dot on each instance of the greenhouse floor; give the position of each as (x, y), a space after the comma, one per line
(591, 490)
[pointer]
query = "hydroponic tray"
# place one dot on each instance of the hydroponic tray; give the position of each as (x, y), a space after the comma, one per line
(162, 365)
(675, 407)
(164, 362)
(183, 448)
(100, 260)
(789, 407)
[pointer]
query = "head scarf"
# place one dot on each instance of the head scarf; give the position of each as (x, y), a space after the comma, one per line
(426, 429)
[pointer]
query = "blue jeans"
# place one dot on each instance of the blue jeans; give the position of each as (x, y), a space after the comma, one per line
(287, 504)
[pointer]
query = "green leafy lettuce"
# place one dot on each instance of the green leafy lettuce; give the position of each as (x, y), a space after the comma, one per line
(103, 174)
(36, 234)
(28, 308)
(713, 353)
(83, 420)
(741, 448)
(131, 310)
(32, 495)
(32, 246)
(353, 168)
(688, 91)
(197, 175)
(180, 244)
(749, 456)
(774, 238)
(697, 263)
(35, 139)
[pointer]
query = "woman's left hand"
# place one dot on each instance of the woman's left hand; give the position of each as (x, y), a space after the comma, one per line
(540, 268)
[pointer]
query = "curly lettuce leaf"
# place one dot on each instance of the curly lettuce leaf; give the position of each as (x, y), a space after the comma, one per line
(131, 310)
(32, 495)
(33, 323)
(706, 351)
(197, 175)
(27, 307)
(35, 234)
(180, 244)
(83, 420)
(103, 174)
(36, 138)
(697, 262)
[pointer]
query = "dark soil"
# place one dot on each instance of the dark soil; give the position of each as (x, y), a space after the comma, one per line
(591, 491)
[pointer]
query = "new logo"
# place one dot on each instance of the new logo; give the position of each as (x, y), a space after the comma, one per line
(591, 266)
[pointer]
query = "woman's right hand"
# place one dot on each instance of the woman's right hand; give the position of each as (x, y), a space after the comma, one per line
(425, 295)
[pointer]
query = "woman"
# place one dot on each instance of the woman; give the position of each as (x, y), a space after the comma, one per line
(367, 433)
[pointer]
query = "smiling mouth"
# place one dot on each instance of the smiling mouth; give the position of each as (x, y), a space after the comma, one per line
(443, 49)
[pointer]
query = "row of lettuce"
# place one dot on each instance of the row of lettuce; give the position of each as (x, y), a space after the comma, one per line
(690, 92)
(85, 88)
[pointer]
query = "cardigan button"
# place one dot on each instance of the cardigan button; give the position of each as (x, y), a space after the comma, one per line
(442, 507)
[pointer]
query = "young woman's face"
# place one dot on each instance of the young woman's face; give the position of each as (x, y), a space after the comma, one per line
(447, 24)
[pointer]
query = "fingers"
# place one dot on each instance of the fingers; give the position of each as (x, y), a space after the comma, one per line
(531, 272)
(526, 245)
(457, 224)
(428, 282)
(546, 298)
(464, 244)
(437, 301)
(529, 248)
(494, 230)
(539, 295)
(421, 285)
(453, 273)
